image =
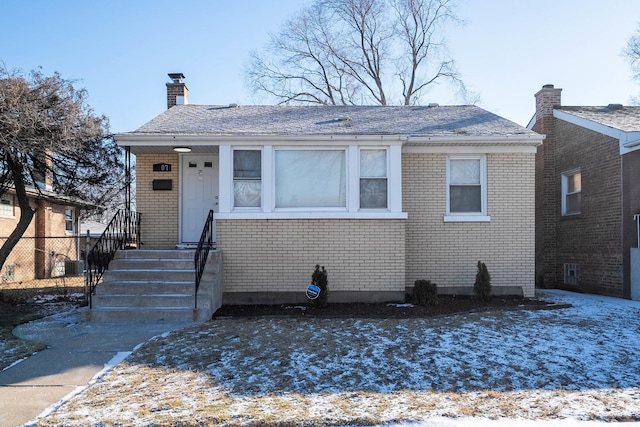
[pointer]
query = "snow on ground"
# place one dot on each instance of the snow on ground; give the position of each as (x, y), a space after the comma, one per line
(575, 364)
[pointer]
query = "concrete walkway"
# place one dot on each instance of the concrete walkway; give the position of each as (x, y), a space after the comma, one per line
(77, 352)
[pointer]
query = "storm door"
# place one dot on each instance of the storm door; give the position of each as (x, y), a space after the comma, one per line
(199, 194)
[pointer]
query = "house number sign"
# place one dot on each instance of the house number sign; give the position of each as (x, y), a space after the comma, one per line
(161, 167)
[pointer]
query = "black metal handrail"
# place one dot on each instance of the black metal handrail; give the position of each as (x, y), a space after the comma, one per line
(122, 232)
(202, 252)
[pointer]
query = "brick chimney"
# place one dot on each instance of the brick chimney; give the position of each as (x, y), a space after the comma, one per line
(547, 98)
(177, 90)
(547, 196)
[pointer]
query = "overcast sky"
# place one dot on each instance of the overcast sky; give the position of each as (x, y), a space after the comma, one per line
(122, 50)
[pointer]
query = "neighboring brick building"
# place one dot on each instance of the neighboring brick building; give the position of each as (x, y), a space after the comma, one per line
(587, 193)
(380, 196)
(49, 247)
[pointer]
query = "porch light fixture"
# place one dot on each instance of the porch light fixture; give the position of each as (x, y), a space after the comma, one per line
(182, 149)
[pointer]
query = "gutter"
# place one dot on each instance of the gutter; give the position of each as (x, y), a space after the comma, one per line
(151, 140)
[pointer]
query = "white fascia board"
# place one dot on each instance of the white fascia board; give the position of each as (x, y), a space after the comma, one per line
(587, 124)
(533, 139)
(149, 140)
(629, 141)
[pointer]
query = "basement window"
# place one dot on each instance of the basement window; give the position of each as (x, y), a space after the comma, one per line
(571, 274)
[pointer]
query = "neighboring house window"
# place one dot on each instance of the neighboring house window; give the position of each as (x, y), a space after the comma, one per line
(571, 192)
(466, 189)
(70, 220)
(310, 178)
(571, 274)
(247, 178)
(373, 179)
(10, 273)
(7, 206)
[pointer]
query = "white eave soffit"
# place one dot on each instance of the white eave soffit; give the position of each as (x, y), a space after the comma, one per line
(203, 140)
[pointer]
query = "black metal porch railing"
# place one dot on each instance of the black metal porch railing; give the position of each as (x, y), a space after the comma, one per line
(202, 252)
(122, 232)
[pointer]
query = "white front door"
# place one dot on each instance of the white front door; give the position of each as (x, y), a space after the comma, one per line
(199, 194)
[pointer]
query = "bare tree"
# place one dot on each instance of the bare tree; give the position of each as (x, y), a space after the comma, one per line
(632, 53)
(50, 136)
(341, 52)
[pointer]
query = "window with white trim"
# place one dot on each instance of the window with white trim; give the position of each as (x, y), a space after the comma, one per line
(310, 178)
(466, 187)
(571, 192)
(247, 178)
(70, 220)
(373, 179)
(298, 180)
(7, 206)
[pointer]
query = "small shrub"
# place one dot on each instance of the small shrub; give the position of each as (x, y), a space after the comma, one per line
(320, 279)
(482, 286)
(425, 293)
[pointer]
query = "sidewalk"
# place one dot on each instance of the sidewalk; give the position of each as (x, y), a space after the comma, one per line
(77, 352)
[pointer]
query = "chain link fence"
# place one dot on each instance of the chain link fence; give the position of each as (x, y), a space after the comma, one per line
(43, 267)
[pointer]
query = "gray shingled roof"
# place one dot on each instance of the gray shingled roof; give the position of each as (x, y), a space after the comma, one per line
(330, 120)
(625, 118)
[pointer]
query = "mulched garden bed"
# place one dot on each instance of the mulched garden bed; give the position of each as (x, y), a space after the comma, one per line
(449, 304)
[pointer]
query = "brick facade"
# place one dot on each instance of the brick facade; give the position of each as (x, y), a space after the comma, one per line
(592, 239)
(44, 244)
(271, 261)
(367, 259)
(630, 207)
(159, 208)
(447, 253)
(546, 190)
(596, 241)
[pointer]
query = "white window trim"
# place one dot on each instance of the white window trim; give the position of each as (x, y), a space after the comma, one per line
(74, 225)
(481, 216)
(12, 200)
(565, 193)
(386, 150)
(272, 188)
(352, 210)
(262, 159)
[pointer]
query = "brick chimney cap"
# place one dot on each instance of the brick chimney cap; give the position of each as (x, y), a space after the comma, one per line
(547, 86)
(176, 77)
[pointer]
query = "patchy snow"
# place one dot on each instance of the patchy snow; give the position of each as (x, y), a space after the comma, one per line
(576, 365)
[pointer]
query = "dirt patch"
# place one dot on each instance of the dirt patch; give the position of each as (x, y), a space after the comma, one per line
(448, 305)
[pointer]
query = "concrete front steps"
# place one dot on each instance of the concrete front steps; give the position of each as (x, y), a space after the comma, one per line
(157, 285)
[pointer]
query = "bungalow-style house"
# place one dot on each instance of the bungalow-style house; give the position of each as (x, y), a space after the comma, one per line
(49, 247)
(587, 196)
(380, 196)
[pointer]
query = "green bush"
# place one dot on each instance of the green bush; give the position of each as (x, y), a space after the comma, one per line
(320, 279)
(425, 293)
(482, 286)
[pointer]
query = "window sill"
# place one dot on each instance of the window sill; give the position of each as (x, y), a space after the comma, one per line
(311, 215)
(467, 218)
